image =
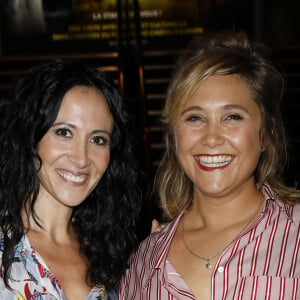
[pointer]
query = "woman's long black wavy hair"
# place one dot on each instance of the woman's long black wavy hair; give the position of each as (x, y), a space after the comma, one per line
(105, 221)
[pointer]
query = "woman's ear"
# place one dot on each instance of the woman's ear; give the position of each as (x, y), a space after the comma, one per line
(262, 141)
(265, 138)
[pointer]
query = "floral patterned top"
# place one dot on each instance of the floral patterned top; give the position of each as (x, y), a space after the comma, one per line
(31, 279)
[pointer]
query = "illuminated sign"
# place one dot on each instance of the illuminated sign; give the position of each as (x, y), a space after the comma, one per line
(99, 19)
(81, 25)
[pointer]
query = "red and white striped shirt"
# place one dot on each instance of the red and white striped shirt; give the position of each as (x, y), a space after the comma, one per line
(263, 263)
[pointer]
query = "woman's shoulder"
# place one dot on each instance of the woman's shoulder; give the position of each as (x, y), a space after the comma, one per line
(150, 255)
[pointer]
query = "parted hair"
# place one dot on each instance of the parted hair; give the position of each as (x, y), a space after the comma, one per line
(224, 53)
(105, 221)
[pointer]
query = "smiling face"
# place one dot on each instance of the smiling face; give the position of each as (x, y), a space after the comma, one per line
(75, 151)
(218, 136)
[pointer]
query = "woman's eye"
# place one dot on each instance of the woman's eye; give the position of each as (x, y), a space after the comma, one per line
(99, 140)
(63, 132)
(194, 118)
(234, 117)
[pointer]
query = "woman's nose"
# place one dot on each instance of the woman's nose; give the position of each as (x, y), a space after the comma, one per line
(213, 135)
(79, 155)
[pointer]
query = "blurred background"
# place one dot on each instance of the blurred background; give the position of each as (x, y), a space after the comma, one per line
(138, 42)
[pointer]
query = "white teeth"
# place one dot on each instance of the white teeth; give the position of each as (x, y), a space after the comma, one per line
(214, 161)
(72, 177)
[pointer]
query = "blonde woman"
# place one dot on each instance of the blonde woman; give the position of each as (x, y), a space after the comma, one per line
(233, 230)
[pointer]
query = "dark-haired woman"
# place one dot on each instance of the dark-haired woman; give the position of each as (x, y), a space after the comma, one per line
(69, 194)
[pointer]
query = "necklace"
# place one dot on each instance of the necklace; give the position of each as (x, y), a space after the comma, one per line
(208, 260)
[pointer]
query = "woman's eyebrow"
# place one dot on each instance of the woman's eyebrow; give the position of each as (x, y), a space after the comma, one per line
(191, 108)
(64, 123)
(235, 106)
(73, 126)
(226, 107)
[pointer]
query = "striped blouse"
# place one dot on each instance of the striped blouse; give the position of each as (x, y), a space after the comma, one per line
(262, 263)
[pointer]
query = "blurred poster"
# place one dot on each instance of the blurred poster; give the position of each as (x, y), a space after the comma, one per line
(98, 20)
(92, 25)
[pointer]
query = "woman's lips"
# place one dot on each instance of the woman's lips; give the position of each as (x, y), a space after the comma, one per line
(213, 162)
(75, 178)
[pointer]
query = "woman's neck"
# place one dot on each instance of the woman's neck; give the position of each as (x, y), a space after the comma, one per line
(217, 212)
(54, 222)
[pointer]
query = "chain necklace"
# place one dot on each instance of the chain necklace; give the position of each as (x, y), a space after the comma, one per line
(208, 260)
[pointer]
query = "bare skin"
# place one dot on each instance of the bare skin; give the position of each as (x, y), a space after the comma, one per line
(57, 244)
(64, 260)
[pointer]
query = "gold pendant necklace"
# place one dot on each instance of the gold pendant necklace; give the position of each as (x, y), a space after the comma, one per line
(208, 260)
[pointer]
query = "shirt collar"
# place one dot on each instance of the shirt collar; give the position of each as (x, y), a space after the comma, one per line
(271, 198)
(163, 239)
(164, 242)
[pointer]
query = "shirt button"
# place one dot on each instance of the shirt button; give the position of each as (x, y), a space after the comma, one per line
(221, 269)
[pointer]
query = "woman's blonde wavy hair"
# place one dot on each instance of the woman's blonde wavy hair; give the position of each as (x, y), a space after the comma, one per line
(224, 54)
